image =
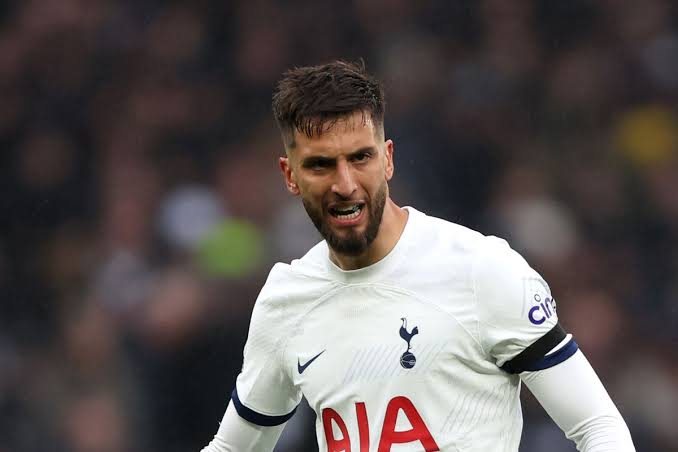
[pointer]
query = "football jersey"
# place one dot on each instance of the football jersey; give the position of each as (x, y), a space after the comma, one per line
(405, 354)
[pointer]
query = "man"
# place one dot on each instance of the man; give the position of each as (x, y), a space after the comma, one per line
(403, 331)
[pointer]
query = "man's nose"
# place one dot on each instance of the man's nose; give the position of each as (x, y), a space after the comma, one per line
(344, 184)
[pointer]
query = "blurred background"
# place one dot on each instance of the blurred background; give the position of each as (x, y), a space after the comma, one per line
(142, 206)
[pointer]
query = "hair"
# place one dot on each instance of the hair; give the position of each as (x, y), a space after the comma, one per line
(311, 99)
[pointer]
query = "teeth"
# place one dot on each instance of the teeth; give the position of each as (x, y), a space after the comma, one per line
(348, 209)
(349, 213)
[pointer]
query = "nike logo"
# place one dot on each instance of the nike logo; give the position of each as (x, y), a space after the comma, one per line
(301, 368)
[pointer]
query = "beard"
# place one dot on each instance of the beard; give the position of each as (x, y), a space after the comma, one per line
(352, 243)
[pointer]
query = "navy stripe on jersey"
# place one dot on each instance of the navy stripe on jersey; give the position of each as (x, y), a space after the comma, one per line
(555, 358)
(252, 416)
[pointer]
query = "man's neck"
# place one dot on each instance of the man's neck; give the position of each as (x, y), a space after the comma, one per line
(393, 223)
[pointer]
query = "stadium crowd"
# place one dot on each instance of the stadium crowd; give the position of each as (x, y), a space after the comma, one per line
(142, 205)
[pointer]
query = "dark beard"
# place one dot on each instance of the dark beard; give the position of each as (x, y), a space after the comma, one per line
(354, 244)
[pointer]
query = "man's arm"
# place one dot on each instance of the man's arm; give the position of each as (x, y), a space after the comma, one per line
(572, 394)
(235, 434)
(264, 397)
(518, 326)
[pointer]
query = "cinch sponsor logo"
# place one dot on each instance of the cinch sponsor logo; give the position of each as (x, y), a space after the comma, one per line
(543, 310)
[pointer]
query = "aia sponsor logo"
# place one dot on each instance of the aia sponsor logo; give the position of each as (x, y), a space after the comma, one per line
(334, 422)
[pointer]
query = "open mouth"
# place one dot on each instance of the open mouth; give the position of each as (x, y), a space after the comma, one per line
(346, 212)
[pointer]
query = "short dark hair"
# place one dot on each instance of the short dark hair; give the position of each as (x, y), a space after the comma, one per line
(310, 99)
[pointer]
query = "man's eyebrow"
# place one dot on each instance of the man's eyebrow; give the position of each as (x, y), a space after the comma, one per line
(363, 150)
(319, 159)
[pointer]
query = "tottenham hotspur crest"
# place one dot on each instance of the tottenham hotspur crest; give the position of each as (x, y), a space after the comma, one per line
(407, 360)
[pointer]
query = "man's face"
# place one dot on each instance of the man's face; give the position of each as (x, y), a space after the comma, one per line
(342, 178)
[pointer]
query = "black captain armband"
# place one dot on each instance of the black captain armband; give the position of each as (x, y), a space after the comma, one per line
(535, 356)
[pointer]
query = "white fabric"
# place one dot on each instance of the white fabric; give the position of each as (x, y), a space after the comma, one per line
(572, 394)
(475, 304)
(237, 435)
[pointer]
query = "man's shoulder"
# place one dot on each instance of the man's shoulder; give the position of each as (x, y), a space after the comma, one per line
(455, 250)
(311, 266)
(446, 237)
(302, 278)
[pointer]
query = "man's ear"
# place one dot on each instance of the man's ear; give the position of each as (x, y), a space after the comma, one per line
(290, 180)
(389, 160)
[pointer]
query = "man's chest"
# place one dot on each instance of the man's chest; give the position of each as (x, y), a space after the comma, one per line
(374, 343)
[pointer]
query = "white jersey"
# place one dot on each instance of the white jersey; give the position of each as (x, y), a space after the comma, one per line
(403, 355)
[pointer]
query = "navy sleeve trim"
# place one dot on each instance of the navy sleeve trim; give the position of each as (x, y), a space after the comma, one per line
(533, 354)
(252, 416)
(556, 358)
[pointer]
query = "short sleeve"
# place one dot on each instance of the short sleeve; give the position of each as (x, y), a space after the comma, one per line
(265, 393)
(515, 305)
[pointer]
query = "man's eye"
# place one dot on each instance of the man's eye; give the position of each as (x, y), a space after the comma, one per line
(318, 164)
(361, 157)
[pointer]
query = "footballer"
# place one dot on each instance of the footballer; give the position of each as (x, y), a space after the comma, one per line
(403, 331)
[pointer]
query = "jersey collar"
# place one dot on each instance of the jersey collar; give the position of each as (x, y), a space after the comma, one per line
(381, 268)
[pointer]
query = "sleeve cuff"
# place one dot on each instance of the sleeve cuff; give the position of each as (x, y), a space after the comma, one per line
(555, 358)
(252, 416)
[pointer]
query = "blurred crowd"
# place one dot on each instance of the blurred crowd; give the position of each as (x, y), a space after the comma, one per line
(142, 206)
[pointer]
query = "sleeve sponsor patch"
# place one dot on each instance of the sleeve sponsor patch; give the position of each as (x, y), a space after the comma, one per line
(539, 304)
